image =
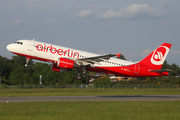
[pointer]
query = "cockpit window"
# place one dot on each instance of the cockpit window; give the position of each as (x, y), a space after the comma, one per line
(21, 43)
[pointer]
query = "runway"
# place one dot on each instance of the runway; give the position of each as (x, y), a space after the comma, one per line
(92, 98)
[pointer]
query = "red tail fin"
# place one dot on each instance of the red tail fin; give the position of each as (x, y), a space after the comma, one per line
(157, 57)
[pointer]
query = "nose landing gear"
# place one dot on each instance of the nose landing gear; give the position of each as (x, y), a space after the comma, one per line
(27, 61)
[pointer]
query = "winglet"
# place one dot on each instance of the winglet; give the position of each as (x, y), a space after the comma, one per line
(118, 55)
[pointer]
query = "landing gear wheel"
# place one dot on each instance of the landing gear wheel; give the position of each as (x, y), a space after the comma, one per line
(78, 77)
(27, 61)
(84, 75)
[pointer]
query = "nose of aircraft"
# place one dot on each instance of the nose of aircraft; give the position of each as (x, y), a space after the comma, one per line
(9, 47)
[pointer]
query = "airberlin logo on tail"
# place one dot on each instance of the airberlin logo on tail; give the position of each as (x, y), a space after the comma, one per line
(159, 55)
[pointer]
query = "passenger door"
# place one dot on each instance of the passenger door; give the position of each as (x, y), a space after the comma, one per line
(137, 68)
(30, 45)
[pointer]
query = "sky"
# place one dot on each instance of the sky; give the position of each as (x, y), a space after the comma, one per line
(131, 27)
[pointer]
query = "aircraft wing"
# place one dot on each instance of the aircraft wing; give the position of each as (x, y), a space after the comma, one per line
(95, 60)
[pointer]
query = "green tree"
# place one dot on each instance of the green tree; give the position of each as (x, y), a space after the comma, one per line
(4, 69)
(20, 74)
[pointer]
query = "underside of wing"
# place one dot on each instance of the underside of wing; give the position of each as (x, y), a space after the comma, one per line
(95, 60)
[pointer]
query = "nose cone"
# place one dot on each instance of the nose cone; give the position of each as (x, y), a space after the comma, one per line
(10, 47)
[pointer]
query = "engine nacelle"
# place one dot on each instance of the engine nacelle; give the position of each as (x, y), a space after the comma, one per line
(65, 63)
(55, 68)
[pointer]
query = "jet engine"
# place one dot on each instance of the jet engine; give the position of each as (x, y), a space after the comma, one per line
(66, 63)
(55, 68)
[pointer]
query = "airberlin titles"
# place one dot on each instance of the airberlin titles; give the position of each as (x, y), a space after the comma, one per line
(54, 50)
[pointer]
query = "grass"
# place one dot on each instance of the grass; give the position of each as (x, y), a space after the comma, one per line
(79, 92)
(88, 110)
(91, 110)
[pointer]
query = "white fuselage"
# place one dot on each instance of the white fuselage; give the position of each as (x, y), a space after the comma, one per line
(49, 52)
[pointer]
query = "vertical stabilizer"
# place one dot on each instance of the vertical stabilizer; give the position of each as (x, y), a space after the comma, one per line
(156, 59)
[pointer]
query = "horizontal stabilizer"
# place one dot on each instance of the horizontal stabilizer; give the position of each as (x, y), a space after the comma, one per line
(160, 71)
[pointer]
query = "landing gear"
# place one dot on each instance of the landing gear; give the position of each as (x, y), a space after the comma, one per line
(78, 77)
(27, 61)
(84, 75)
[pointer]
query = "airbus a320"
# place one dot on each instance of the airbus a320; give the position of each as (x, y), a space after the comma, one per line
(64, 58)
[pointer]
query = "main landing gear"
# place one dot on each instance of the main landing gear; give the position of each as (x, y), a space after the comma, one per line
(84, 75)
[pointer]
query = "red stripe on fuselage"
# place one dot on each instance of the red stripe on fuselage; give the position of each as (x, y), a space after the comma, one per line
(118, 70)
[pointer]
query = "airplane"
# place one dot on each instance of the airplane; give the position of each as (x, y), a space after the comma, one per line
(64, 59)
